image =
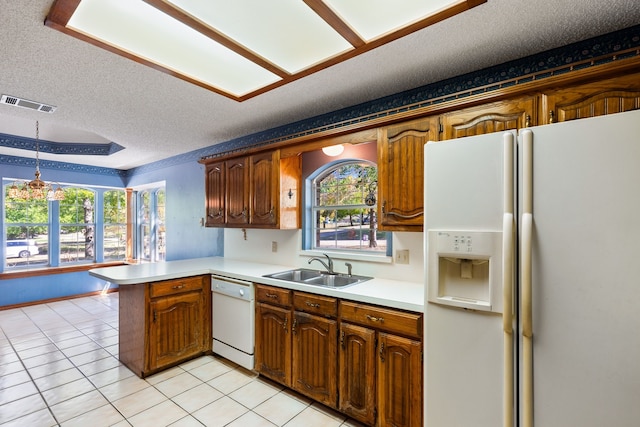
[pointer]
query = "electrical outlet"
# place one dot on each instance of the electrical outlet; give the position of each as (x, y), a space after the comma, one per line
(274, 246)
(402, 256)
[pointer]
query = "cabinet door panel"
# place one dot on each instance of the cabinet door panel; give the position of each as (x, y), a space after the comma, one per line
(593, 99)
(215, 193)
(176, 330)
(314, 357)
(273, 343)
(357, 378)
(400, 381)
(401, 174)
(237, 196)
(264, 189)
(495, 117)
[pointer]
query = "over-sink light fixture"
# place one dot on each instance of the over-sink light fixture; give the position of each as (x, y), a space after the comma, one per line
(333, 150)
(36, 189)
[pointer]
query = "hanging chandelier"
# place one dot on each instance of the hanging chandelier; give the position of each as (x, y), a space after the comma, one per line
(36, 189)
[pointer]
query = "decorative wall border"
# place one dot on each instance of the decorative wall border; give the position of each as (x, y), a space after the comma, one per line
(63, 166)
(73, 148)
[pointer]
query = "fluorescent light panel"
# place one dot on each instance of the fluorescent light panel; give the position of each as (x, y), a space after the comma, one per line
(374, 18)
(285, 32)
(142, 30)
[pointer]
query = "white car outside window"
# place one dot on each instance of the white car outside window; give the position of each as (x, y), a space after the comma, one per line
(21, 248)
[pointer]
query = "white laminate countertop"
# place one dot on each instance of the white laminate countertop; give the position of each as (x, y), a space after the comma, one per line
(391, 293)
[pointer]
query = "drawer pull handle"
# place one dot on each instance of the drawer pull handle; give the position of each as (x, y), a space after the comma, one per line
(177, 287)
(310, 304)
(274, 296)
(375, 319)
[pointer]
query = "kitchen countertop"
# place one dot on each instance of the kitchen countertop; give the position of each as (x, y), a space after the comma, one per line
(386, 292)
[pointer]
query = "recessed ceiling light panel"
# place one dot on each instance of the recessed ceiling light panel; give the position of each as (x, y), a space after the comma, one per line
(379, 17)
(137, 28)
(286, 32)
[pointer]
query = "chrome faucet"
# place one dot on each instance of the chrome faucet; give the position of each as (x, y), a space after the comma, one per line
(328, 265)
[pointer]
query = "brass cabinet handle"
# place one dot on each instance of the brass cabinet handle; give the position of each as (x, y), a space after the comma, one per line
(342, 340)
(177, 287)
(274, 296)
(382, 352)
(295, 323)
(375, 319)
(310, 304)
(284, 326)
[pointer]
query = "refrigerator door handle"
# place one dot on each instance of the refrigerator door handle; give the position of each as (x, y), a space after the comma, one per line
(508, 238)
(525, 279)
(507, 318)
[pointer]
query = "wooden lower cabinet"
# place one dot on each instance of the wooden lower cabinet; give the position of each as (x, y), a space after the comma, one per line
(164, 323)
(357, 378)
(385, 349)
(273, 342)
(314, 357)
(399, 381)
(364, 360)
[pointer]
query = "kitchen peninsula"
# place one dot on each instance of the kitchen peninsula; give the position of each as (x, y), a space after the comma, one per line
(357, 349)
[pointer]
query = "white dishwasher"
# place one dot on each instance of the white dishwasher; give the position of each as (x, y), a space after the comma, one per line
(233, 316)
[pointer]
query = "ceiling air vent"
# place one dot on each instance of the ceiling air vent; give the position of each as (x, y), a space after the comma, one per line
(24, 103)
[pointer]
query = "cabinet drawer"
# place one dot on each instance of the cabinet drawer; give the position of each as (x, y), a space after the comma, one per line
(273, 295)
(385, 319)
(315, 304)
(176, 286)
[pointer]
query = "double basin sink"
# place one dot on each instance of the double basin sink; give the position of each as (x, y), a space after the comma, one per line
(318, 278)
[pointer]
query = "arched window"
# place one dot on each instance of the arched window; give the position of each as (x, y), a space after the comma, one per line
(343, 211)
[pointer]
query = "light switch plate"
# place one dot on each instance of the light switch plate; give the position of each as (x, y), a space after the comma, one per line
(402, 256)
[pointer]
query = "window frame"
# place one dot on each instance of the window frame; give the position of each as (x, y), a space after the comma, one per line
(309, 226)
(155, 222)
(54, 256)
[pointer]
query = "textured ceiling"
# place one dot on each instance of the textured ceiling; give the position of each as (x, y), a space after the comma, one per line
(102, 97)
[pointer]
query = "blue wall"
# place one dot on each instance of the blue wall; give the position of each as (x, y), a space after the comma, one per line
(185, 206)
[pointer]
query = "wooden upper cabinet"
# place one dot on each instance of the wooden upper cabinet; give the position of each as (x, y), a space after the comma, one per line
(611, 96)
(264, 188)
(215, 194)
(237, 192)
(401, 173)
(495, 117)
(259, 191)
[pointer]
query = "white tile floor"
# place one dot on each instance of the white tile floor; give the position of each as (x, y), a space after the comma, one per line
(59, 367)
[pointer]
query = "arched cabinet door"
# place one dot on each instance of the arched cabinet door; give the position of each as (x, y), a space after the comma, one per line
(401, 173)
(215, 194)
(600, 98)
(512, 114)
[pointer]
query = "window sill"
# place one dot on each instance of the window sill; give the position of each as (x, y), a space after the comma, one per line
(55, 270)
(382, 259)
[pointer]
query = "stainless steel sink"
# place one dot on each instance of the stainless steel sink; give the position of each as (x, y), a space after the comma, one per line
(318, 278)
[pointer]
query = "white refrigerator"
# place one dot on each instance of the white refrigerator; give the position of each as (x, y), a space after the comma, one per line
(532, 265)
